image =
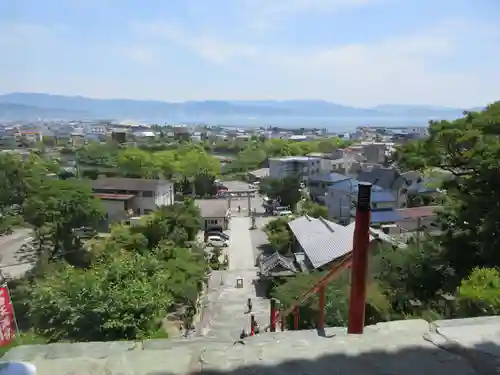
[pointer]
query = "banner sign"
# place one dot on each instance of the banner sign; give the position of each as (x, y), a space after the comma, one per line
(7, 317)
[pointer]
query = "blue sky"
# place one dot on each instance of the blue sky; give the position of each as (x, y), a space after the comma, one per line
(355, 52)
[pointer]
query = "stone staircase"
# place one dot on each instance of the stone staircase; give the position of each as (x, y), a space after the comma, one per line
(225, 312)
(460, 347)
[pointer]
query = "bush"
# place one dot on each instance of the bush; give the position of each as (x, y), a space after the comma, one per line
(124, 299)
(337, 300)
(479, 294)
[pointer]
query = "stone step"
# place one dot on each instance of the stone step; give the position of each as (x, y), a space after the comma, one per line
(388, 348)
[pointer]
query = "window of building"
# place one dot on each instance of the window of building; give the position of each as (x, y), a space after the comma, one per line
(147, 194)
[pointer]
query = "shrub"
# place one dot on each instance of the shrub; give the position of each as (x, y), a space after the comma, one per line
(479, 294)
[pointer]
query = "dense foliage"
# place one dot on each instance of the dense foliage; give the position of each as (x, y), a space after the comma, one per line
(118, 287)
(454, 272)
(286, 190)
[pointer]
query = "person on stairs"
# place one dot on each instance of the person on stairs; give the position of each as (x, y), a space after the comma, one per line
(256, 327)
(243, 335)
(249, 305)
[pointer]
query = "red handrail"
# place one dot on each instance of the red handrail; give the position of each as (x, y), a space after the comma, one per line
(358, 256)
(335, 271)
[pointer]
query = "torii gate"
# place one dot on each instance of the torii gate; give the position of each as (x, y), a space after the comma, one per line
(249, 193)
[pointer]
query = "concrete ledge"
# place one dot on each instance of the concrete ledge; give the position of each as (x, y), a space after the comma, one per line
(475, 339)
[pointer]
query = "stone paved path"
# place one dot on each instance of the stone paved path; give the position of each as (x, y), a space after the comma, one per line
(227, 311)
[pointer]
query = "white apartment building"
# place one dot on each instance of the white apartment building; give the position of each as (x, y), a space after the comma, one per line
(97, 129)
(302, 166)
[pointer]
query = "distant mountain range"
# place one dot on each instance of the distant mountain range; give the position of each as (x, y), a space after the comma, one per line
(29, 106)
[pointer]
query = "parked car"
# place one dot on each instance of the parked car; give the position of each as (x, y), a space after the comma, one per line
(216, 241)
(215, 233)
(283, 213)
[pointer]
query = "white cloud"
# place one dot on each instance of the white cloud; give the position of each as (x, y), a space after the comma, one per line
(266, 14)
(205, 45)
(14, 34)
(388, 70)
(140, 54)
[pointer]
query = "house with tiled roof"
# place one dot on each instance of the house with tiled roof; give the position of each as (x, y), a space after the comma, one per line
(318, 243)
(341, 200)
(419, 218)
(388, 179)
(319, 184)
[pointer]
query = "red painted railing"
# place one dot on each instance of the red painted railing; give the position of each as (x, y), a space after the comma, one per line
(358, 258)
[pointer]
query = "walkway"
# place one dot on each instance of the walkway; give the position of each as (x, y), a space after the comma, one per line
(227, 313)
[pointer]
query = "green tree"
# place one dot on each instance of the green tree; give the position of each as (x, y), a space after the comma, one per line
(18, 179)
(57, 211)
(179, 223)
(313, 209)
(337, 300)
(133, 162)
(279, 235)
(125, 298)
(285, 190)
(103, 155)
(166, 163)
(469, 149)
(479, 294)
(195, 161)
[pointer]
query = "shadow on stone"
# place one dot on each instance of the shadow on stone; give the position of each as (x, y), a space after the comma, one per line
(429, 360)
(266, 249)
(261, 288)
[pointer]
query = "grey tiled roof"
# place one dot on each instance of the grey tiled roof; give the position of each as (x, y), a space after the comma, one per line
(387, 178)
(324, 241)
(122, 183)
(277, 259)
(321, 240)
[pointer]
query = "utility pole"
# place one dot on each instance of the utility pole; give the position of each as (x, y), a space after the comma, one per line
(419, 227)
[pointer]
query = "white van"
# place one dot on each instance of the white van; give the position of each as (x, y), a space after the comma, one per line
(216, 241)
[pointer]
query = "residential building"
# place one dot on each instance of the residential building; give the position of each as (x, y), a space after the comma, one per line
(388, 179)
(319, 184)
(119, 135)
(319, 243)
(302, 166)
(339, 161)
(124, 197)
(258, 175)
(30, 135)
(375, 152)
(418, 218)
(420, 189)
(215, 214)
(97, 129)
(341, 200)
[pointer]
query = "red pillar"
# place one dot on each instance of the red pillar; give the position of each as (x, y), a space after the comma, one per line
(252, 325)
(359, 266)
(296, 318)
(321, 317)
(273, 315)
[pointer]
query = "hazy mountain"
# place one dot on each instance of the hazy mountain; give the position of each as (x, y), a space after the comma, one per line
(14, 111)
(419, 110)
(31, 105)
(311, 108)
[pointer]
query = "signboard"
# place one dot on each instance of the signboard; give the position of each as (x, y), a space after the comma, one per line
(7, 319)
